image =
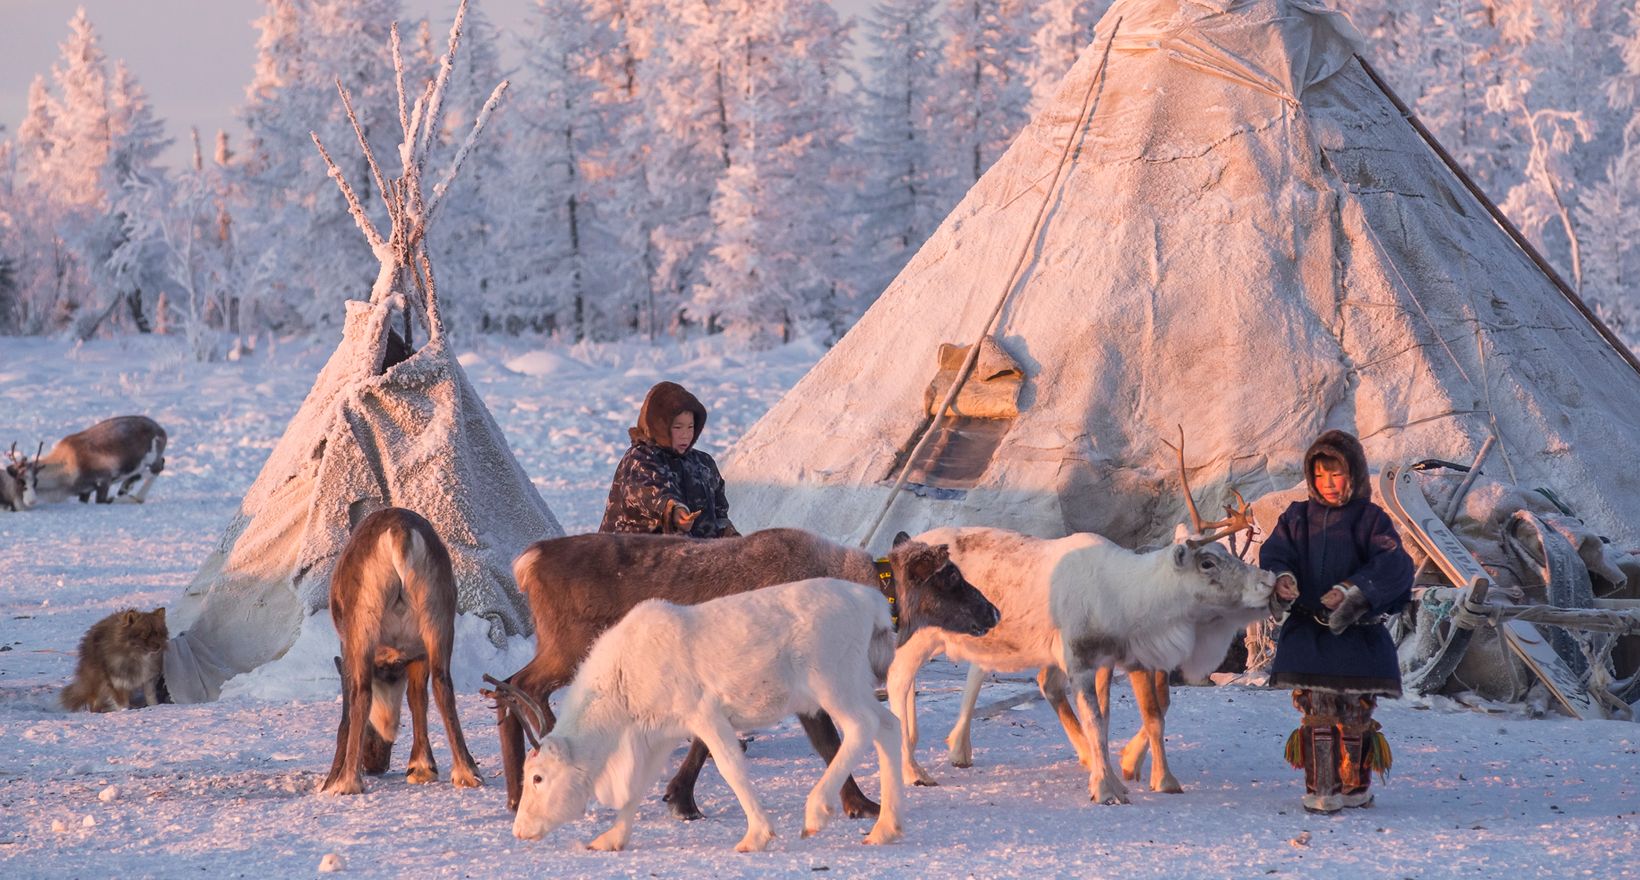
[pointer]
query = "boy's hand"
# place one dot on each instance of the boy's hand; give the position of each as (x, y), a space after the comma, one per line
(1286, 588)
(1333, 598)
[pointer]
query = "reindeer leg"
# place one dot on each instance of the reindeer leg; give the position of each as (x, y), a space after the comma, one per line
(1153, 703)
(680, 792)
(651, 759)
(823, 736)
(1050, 680)
(822, 802)
(356, 698)
(1104, 787)
(720, 738)
(423, 767)
(341, 730)
(102, 492)
(889, 824)
(902, 698)
(958, 740)
(464, 772)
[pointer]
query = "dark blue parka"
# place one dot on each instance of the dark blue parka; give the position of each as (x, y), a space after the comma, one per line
(1353, 544)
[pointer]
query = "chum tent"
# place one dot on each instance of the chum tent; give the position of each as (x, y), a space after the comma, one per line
(386, 424)
(1224, 222)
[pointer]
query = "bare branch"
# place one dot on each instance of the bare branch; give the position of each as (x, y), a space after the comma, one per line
(398, 80)
(435, 105)
(429, 293)
(364, 144)
(353, 206)
(466, 147)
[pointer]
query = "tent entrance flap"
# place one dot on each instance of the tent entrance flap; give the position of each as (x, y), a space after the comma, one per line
(973, 426)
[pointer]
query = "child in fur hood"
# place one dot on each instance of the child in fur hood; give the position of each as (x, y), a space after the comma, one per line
(664, 485)
(1338, 558)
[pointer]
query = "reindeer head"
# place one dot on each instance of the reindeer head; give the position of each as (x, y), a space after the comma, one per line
(1228, 584)
(556, 788)
(16, 482)
(932, 591)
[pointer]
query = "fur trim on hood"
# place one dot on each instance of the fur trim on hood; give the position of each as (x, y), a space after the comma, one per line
(1343, 446)
(661, 405)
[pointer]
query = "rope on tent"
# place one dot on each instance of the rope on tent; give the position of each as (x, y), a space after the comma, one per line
(1499, 218)
(1013, 279)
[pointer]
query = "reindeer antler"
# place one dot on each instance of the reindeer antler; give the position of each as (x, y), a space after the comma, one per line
(1236, 518)
(528, 710)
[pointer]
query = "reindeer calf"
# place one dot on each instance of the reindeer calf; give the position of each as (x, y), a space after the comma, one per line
(393, 600)
(708, 670)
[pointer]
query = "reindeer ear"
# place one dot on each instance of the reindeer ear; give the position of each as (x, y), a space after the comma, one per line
(1181, 555)
(557, 748)
(129, 617)
(159, 614)
(900, 538)
(1180, 533)
(942, 556)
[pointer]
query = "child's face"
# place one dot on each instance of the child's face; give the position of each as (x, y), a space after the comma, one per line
(683, 431)
(1331, 482)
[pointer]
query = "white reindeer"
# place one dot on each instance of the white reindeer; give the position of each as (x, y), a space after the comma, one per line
(112, 454)
(1073, 605)
(707, 670)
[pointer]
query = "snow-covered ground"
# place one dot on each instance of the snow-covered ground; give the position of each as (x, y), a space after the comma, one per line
(226, 789)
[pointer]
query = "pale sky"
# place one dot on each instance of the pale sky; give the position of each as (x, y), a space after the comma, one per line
(193, 56)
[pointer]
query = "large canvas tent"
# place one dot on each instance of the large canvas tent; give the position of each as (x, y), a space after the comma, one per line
(1221, 221)
(386, 424)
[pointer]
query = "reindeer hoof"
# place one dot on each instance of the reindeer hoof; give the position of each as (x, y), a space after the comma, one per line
(926, 782)
(353, 785)
(754, 841)
(462, 778)
(881, 836)
(421, 775)
(864, 808)
(607, 842)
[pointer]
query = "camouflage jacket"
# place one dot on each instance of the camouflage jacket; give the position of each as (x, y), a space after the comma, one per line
(650, 476)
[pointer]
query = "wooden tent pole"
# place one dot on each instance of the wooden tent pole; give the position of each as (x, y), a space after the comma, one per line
(968, 362)
(1498, 216)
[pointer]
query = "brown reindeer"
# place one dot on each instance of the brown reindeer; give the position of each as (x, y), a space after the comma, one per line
(108, 456)
(393, 600)
(580, 586)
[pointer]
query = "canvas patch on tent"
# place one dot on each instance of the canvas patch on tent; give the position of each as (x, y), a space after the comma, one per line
(976, 421)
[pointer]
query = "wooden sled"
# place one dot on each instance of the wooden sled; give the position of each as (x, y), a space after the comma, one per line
(1404, 498)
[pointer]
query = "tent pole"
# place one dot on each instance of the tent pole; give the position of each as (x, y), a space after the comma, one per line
(1013, 279)
(1498, 216)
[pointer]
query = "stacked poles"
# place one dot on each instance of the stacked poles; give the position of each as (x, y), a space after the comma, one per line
(403, 252)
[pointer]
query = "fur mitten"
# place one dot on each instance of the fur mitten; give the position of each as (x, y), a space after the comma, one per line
(1349, 611)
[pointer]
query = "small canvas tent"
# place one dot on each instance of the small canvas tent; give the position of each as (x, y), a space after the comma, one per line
(1221, 221)
(386, 424)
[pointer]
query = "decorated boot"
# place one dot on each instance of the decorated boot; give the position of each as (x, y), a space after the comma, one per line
(1314, 747)
(1362, 749)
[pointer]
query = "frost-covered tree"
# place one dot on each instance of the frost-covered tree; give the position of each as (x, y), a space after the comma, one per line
(310, 258)
(471, 246)
(773, 263)
(907, 186)
(989, 59)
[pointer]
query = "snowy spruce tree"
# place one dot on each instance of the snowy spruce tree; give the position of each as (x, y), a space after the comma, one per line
(775, 216)
(989, 61)
(902, 146)
(310, 258)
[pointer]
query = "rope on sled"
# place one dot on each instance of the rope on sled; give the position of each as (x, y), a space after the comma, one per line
(967, 368)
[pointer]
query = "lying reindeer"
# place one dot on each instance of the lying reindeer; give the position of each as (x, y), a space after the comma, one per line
(393, 600)
(711, 669)
(582, 585)
(1068, 602)
(110, 455)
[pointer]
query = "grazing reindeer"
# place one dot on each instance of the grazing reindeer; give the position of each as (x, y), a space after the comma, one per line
(580, 586)
(708, 670)
(11, 481)
(393, 599)
(110, 455)
(1147, 612)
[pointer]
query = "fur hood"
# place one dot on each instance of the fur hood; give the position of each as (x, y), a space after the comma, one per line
(661, 405)
(1343, 446)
